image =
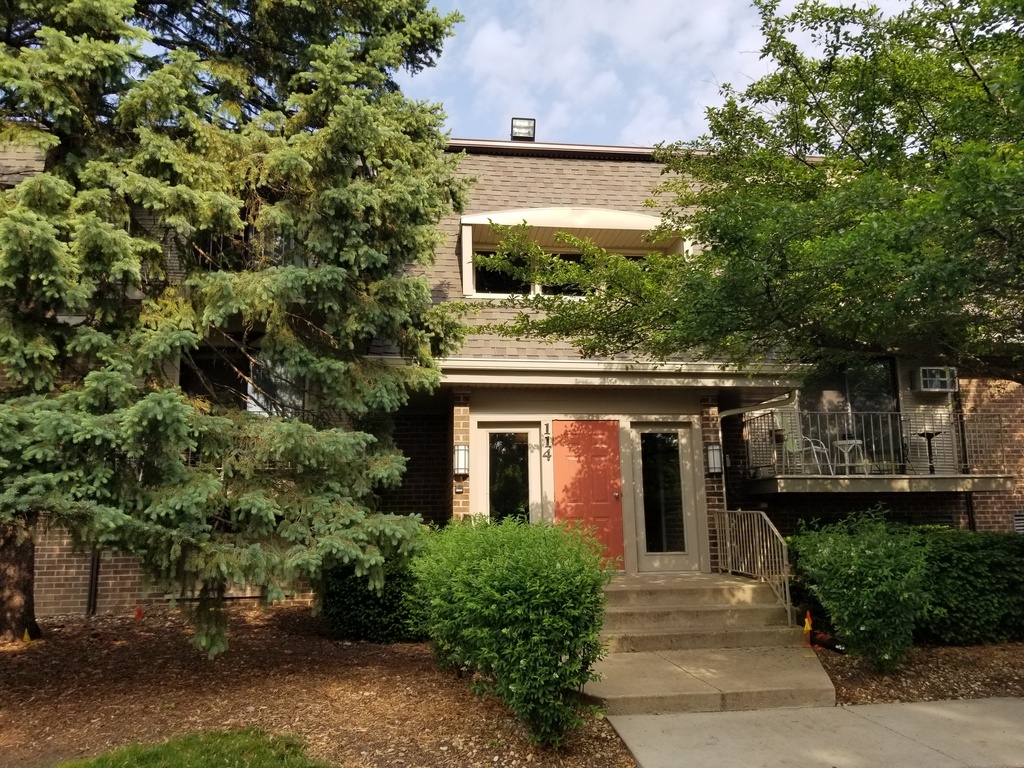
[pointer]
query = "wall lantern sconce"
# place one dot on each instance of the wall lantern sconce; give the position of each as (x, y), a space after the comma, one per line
(461, 460)
(715, 458)
(524, 129)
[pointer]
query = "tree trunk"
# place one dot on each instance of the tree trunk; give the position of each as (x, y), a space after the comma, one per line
(17, 582)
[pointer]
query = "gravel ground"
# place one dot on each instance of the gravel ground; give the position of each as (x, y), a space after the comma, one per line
(94, 684)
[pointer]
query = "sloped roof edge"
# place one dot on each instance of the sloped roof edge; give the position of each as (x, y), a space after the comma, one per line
(550, 149)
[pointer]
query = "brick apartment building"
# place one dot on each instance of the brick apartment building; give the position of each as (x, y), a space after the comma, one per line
(648, 453)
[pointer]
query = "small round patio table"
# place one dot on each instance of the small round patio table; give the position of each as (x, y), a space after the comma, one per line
(852, 451)
(928, 436)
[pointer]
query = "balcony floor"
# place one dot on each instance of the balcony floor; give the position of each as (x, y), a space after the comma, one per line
(880, 483)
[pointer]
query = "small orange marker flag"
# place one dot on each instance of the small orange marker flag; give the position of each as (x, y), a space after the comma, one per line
(807, 630)
(138, 611)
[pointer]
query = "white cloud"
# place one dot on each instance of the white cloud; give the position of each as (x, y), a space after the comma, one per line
(593, 71)
(654, 118)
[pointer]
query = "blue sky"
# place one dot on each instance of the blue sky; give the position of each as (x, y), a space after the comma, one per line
(628, 72)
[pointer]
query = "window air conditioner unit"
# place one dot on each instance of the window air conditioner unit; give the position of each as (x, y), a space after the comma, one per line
(935, 380)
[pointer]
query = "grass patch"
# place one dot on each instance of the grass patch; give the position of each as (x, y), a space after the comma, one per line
(231, 749)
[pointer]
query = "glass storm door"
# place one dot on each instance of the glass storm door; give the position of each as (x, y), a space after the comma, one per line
(513, 472)
(664, 500)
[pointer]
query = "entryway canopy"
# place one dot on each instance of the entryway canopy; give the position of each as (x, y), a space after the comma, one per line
(605, 227)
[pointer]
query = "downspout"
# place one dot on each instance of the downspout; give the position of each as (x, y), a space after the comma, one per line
(972, 523)
(958, 405)
(788, 399)
(94, 584)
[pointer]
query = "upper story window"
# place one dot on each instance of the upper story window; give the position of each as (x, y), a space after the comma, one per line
(624, 232)
(491, 282)
(233, 376)
(864, 388)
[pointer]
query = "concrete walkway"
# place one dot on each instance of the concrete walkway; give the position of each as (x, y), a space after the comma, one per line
(709, 680)
(980, 733)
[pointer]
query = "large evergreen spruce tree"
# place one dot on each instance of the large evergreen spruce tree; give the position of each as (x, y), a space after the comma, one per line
(204, 292)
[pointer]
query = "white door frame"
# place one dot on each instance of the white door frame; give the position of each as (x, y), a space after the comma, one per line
(480, 463)
(695, 557)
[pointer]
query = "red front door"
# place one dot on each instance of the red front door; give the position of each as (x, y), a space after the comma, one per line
(588, 479)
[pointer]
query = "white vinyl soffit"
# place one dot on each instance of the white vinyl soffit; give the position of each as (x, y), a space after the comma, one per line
(603, 226)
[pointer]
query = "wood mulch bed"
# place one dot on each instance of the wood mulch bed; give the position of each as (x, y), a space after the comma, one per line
(931, 674)
(94, 684)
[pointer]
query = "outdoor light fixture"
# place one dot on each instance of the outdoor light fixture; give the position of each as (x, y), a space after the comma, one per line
(524, 129)
(714, 458)
(461, 460)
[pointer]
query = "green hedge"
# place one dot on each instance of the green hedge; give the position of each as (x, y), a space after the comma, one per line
(885, 586)
(871, 582)
(521, 606)
(351, 609)
(976, 587)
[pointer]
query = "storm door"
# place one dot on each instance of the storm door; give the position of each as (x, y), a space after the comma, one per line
(664, 499)
(513, 472)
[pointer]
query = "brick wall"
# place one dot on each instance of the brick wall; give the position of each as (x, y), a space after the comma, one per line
(714, 485)
(62, 573)
(62, 578)
(994, 510)
(460, 436)
(426, 441)
(734, 448)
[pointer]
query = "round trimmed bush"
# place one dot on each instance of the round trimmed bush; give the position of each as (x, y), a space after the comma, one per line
(521, 606)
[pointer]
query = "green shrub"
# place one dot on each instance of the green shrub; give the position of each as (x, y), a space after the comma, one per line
(521, 606)
(352, 609)
(870, 580)
(976, 586)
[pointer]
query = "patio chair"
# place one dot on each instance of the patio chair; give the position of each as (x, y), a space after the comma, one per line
(815, 452)
(806, 453)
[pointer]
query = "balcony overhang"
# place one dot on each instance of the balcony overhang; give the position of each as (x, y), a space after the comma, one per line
(610, 229)
(520, 372)
(880, 484)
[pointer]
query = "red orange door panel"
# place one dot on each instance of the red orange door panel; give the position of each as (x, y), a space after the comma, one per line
(588, 479)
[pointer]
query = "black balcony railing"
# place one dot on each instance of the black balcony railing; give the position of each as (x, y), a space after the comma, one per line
(842, 443)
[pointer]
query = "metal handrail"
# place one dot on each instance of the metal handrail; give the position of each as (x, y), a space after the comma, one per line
(750, 545)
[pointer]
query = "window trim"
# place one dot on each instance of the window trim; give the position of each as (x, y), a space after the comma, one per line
(480, 463)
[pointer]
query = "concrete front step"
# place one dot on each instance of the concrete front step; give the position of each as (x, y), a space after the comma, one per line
(651, 612)
(672, 639)
(635, 617)
(710, 680)
(687, 589)
(702, 643)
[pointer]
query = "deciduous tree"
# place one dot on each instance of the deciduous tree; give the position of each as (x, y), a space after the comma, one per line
(863, 199)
